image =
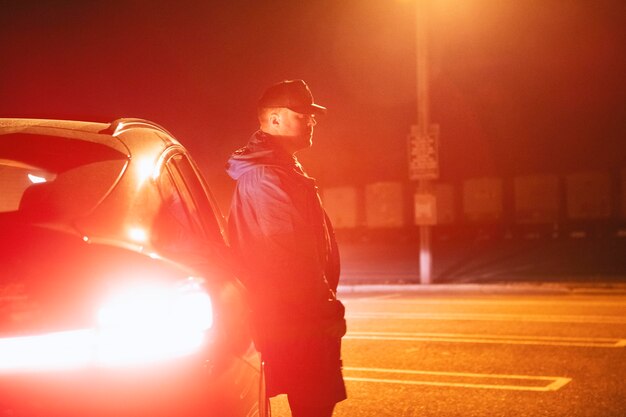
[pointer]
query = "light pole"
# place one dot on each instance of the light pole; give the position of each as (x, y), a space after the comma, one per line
(423, 146)
(423, 125)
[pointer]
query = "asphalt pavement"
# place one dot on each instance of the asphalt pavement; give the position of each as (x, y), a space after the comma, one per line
(412, 354)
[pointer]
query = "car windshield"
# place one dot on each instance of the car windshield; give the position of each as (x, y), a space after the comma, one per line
(55, 178)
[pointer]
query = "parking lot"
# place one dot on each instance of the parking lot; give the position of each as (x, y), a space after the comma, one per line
(468, 353)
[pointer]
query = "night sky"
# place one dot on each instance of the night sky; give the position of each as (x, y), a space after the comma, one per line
(518, 86)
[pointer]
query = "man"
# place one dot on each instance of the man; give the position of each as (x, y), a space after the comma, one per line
(288, 255)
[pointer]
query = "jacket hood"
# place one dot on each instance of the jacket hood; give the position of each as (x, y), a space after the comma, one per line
(260, 150)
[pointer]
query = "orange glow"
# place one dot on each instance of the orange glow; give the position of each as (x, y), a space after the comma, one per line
(144, 324)
(138, 234)
(145, 169)
(140, 325)
(35, 179)
(63, 350)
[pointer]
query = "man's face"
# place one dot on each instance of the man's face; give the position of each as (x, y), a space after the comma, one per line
(297, 126)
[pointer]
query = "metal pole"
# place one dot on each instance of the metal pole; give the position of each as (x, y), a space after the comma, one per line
(423, 122)
(423, 117)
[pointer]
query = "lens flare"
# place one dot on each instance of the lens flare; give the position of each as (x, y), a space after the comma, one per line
(136, 326)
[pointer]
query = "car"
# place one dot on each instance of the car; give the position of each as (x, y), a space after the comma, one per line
(117, 290)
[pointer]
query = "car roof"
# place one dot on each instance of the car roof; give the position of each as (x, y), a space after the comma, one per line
(113, 134)
(17, 125)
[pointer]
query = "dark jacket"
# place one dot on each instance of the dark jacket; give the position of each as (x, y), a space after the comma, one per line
(288, 259)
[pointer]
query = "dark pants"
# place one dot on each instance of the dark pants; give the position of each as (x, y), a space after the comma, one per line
(307, 410)
(307, 370)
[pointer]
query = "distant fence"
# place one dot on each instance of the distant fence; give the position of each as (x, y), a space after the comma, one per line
(576, 204)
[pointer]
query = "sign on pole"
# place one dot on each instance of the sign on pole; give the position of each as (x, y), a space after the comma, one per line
(424, 153)
(425, 209)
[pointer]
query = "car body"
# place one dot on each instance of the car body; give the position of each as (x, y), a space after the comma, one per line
(117, 295)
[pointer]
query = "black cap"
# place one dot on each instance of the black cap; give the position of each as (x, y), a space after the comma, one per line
(292, 94)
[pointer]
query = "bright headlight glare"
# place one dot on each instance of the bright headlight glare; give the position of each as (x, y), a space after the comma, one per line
(139, 325)
(146, 324)
(52, 351)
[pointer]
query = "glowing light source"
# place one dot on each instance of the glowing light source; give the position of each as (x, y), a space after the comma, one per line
(145, 324)
(138, 234)
(62, 350)
(35, 179)
(139, 325)
(145, 169)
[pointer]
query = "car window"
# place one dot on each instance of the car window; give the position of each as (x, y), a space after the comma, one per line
(185, 226)
(15, 178)
(195, 196)
(54, 177)
(173, 230)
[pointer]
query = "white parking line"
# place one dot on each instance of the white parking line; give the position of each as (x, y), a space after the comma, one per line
(448, 379)
(496, 302)
(486, 338)
(490, 317)
(372, 298)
